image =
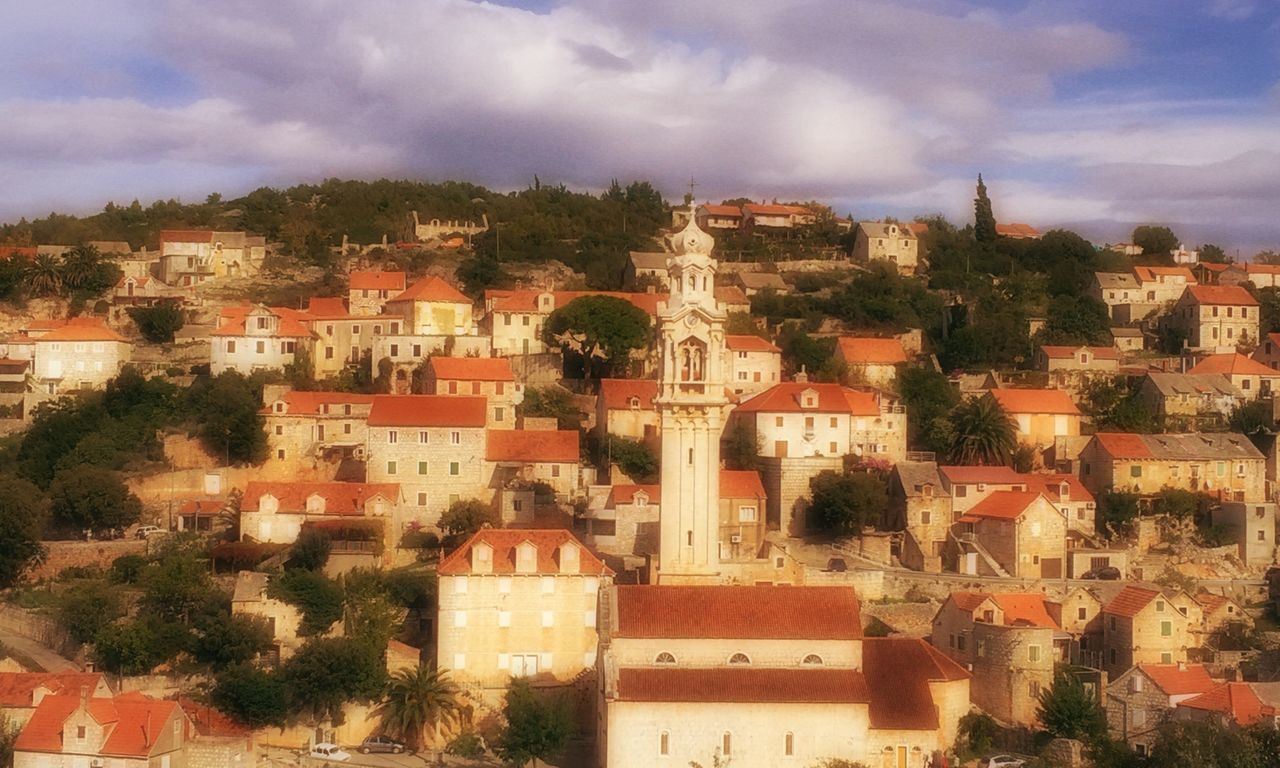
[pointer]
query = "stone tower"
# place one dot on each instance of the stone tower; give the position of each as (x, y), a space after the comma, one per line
(691, 401)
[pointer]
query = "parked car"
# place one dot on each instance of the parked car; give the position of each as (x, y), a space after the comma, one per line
(145, 531)
(1004, 761)
(382, 744)
(1107, 573)
(333, 752)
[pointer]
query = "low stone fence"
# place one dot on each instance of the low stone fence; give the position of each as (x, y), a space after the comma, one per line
(61, 555)
(41, 629)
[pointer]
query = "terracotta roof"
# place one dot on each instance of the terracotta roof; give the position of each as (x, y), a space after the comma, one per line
(918, 227)
(1151, 274)
(18, 688)
(186, 236)
(1232, 295)
(969, 601)
(1233, 364)
(965, 475)
(626, 494)
(135, 720)
(471, 368)
(1211, 601)
(231, 321)
(346, 499)
(1050, 485)
(504, 543)
(766, 209)
(327, 308)
(200, 507)
(138, 281)
(1236, 700)
(1193, 446)
(1130, 601)
(755, 685)
(533, 445)
(741, 484)
(1065, 352)
(898, 672)
(427, 411)
(1016, 229)
(1004, 505)
(310, 403)
(832, 398)
(527, 300)
(749, 344)
(871, 351)
(738, 612)
(376, 281)
(1055, 401)
(617, 393)
(721, 211)
(731, 294)
(23, 251)
(211, 723)
(432, 289)
(82, 329)
(1178, 680)
(1123, 445)
(1025, 608)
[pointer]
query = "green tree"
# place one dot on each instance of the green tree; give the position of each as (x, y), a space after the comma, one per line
(251, 696)
(634, 458)
(176, 586)
(85, 609)
(1213, 254)
(1267, 257)
(600, 332)
(741, 449)
(538, 724)
(85, 271)
(418, 701)
(159, 322)
(984, 219)
(480, 273)
(1196, 744)
(221, 639)
(9, 731)
(1253, 420)
(317, 597)
(90, 498)
(1116, 405)
(1076, 320)
(928, 397)
(844, 503)
(1155, 240)
(1116, 511)
(22, 520)
(553, 402)
(1069, 711)
(983, 433)
(138, 646)
(226, 408)
(310, 551)
(327, 673)
(466, 516)
(42, 276)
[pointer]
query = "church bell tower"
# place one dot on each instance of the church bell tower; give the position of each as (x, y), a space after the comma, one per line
(691, 401)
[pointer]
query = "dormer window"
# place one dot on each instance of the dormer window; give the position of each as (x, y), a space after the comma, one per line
(279, 406)
(526, 558)
(315, 504)
(634, 403)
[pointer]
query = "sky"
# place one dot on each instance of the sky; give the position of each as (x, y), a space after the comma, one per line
(1091, 114)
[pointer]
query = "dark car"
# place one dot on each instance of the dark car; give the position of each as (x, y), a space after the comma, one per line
(382, 744)
(1107, 573)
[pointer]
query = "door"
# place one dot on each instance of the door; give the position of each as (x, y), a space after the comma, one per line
(780, 449)
(902, 757)
(1050, 567)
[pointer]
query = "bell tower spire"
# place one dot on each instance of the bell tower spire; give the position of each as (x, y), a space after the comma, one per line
(691, 401)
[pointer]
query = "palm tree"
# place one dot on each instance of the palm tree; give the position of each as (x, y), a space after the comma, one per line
(982, 433)
(417, 701)
(80, 266)
(43, 275)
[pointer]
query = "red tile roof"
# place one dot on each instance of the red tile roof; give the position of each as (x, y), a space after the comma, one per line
(626, 494)
(1232, 295)
(1236, 700)
(861, 350)
(749, 344)
(1025, 608)
(898, 672)
(14, 251)
(186, 236)
(754, 685)
(766, 209)
(1150, 274)
(1130, 601)
(1233, 364)
(504, 543)
(1123, 445)
(832, 398)
(136, 722)
(200, 507)
(738, 612)
(82, 329)
(969, 601)
(311, 403)
(1210, 601)
(471, 368)
(231, 321)
(1178, 680)
(209, 722)
(1004, 505)
(617, 393)
(376, 281)
(1066, 353)
(965, 475)
(427, 411)
(723, 211)
(432, 289)
(327, 308)
(1055, 401)
(533, 445)
(1016, 230)
(17, 688)
(347, 499)
(741, 484)
(1050, 485)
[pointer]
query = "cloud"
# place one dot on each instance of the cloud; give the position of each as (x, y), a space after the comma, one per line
(1232, 10)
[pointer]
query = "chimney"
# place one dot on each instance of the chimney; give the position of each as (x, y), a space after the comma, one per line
(1182, 666)
(803, 376)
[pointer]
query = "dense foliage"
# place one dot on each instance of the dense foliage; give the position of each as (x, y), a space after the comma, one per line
(598, 334)
(158, 323)
(539, 723)
(844, 503)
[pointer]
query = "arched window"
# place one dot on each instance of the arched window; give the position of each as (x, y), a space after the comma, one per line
(664, 743)
(665, 658)
(812, 658)
(739, 658)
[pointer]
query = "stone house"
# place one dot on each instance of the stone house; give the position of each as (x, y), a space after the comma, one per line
(258, 338)
(1065, 361)
(141, 290)
(1009, 642)
(1140, 699)
(1251, 525)
(1011, 533)
(433, 446)
(625, 408)
(1219, 612)
(523, 456)
(1230, 705)
(626, 523)
(1223, 464)
(1190, 400)
(1268, 351)
(711, 217)
(1261, 275)
(647, 266)
(1216, 318)
(1119, 291)
(742, 515)
(518, 603)
(76, 354)
(343, 340)
(753, 283)
(189, 257)
(514, 318)
(766, 217)
(1128, 339)
(249, 598)
(803, 419)
(368, 292)
(921, 504)
(871, 361)
(306, 427)
(1143, 626)
(1080, 615)
(753, 364)
(275, 512)
(130, 731)
(1041, 415)
(1253, 379)
(968, 485)
(489, 377)
(887, 241)
(216, 740)
(1162, 285)
(22, 692)
(765, 676)
(433, 307)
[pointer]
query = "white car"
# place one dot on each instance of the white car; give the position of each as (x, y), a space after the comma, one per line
(146, 531)
(330, 752)
(1005, 761)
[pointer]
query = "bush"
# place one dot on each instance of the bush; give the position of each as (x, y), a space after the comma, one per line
(317, 597)
(251, 696)
(86, 608)
(978, 731)
(467, 516)
(158, 323)
(310, 550)
(126, 569)
(634, 458)
(92, 498)
(467, 745)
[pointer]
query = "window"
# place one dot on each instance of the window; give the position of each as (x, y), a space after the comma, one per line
(1166, 629)
(279, 430)
(231, 346)
(1166, 658)
(261, 347)
(1159, 606)
(1222, 469)
(422, 467)
(789, 744)
(80, 732)
(475, 387)
(925, 517)
(777, 421)
(391, 467)
(962, 491)
(1139, 717)
(455, 468)
(497, 414)
(548, 618)
(1135, 470)
(555, 470)
(504, 618)
(812, 659)
(739, 658)
(459, 618)
(280, 454)
(1262, 536)
(424, 438)
(960, 642)
(392, 436)
(1082, 613)
(395, 350)
(422, 499)
(726, 744)
(749, 515)
(1033, 653)
(455, 438)
(664, 744)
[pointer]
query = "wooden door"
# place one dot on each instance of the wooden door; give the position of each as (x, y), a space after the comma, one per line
(1050, 567)
(780, 449)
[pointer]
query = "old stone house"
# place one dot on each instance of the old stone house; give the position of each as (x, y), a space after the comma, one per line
(433, 307)
(1140, 699)
(922, 505)
(1253, 379)
(489, 377)
(887, 241)
(752, 364)
(1143, 626)
(130, 731)
(1187, 401)
(1223, 464)
(1041, 415)
(1215, 318)
(306, 427)
(1011, 533)
(368, 292)
(871, 361)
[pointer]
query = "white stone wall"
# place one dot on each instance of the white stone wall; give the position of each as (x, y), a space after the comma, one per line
(455, 468)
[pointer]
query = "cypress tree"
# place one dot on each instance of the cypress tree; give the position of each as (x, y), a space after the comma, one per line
(984, 221)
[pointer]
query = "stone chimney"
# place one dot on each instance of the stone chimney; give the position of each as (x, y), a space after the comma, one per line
(803, 376)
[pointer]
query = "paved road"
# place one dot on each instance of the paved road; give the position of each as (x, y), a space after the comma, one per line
(46, 659)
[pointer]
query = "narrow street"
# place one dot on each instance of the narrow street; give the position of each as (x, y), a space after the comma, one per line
(46, 659)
